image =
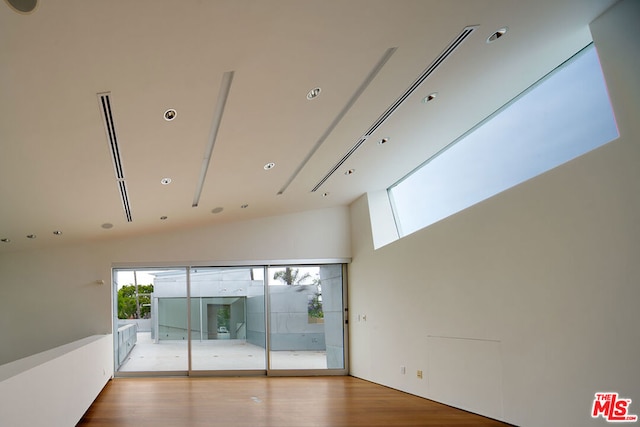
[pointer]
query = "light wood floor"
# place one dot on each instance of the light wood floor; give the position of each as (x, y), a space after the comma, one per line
(273, 402)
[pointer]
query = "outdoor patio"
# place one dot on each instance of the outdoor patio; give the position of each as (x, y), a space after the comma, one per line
(214, 355)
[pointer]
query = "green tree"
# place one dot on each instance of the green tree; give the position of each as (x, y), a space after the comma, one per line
(129, 306)
(291, 276)
(224, 314)
(315, 306)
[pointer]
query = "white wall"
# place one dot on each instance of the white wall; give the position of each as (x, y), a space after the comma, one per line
(50, 297)
(525, 305)
(56, 387)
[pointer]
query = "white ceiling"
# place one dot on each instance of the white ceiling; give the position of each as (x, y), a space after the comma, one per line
(56, 171)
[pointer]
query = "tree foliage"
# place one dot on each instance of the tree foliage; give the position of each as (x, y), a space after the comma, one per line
(315, 306)
(128, 306)
(291, 276)
(224, 314)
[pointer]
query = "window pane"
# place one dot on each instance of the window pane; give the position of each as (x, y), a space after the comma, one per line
(563, 116)
(227, 319)
(214, 319)
(306, 317)
(152, 320)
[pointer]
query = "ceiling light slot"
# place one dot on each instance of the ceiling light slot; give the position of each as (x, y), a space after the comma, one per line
(225, 88)
(340, 162)
(425, 74)
(464, 34)
(110, 129)
(354, 97)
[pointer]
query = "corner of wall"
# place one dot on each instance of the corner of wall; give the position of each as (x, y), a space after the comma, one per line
(383, 225)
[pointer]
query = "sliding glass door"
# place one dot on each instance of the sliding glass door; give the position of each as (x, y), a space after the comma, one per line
(151, 325)
(306, 317)
(227, 314)
(247, 319)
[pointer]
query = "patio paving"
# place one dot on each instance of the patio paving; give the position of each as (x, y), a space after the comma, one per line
(214, 355)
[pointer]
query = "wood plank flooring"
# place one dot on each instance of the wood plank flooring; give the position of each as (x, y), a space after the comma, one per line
(268, 402)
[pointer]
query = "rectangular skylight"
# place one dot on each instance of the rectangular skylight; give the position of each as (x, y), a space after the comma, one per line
(562, 116)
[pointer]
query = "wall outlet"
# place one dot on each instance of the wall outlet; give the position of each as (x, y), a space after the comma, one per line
(419, 374)
(403, 370)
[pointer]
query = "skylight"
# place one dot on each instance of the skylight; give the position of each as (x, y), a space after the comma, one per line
(562, 116)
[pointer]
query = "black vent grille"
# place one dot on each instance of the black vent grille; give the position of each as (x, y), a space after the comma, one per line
(105, 104)
(466, 32)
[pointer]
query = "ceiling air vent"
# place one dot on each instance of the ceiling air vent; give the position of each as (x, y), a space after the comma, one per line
(466, 32)
(105, 107)
(363, 86)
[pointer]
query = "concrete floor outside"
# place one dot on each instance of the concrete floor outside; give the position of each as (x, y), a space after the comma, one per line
(214, 355)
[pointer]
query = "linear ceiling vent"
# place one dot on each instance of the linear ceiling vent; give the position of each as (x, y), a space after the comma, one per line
(466, 32)
(105, 107)
(354, 97)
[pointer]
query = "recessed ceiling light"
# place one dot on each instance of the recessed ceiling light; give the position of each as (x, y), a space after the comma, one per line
(383, 141)
(24, 6)
(217, 210)
(5, 240)
(163, 217)
(170, 114)
(313, 93)
(31, 236)
(58, 233)
(430, 97)
(165, 181)
(350, 172)
(495, 36)
(107, 225)
(269, 165)
(245, 206)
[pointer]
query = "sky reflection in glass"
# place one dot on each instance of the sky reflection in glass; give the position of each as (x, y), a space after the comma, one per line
(565, 115)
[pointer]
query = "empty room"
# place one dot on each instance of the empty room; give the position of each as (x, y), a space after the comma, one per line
(319, 213)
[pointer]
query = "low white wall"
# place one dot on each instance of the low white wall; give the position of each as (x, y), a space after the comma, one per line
(56, 387)
(144, 325)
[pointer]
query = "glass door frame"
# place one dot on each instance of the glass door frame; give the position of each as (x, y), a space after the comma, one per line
(183, 269)
(265, 265)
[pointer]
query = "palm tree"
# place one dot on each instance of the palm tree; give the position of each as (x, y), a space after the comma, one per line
(291, 276)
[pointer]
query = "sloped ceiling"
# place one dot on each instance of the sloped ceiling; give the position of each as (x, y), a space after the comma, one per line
(56, 171)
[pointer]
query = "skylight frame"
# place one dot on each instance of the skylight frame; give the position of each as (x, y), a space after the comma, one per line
(407, 224)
